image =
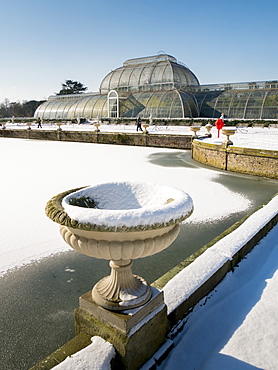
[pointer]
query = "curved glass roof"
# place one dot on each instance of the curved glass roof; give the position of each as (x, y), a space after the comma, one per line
(248, 104)
(148, 74)
(74, 106)
(160, 104)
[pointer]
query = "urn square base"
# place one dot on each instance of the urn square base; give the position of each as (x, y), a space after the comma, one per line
(136, 334)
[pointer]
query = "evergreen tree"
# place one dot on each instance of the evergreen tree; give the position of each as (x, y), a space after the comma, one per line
(72, 87)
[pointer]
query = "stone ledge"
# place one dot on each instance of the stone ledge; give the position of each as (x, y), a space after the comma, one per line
(79, 342)
(257, 162)
(114, 138)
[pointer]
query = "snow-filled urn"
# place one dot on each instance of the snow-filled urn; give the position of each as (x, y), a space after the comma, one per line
(120, 221)
(228, 131)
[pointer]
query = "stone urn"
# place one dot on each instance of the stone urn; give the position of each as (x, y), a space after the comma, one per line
(208, 126)
(228, 131)
(195, 129)
(120, 221)
(97, 126)
(145, 126)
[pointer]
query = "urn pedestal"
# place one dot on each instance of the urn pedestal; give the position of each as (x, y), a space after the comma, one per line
(228, 131)
(121, 222)
(195, 129)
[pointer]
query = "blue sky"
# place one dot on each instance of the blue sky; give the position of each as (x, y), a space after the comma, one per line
(45, 42)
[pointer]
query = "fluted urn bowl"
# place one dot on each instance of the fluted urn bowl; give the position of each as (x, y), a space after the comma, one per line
(120, 221)
(228, 131)
(195, 129)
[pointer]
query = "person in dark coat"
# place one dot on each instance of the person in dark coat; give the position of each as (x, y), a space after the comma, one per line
(139, 124)
(39, 121)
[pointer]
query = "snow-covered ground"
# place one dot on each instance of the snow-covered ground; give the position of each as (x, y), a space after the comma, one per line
(33, 171)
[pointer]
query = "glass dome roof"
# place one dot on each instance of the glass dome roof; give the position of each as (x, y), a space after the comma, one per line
(160, 72)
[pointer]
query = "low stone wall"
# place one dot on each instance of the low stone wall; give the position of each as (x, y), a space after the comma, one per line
(135, 139)
(243, 160)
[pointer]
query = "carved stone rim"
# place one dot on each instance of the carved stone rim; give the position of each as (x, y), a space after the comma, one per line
(56, 212)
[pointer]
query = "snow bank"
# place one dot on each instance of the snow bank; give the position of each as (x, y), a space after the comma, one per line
(193, 276)
(96, 356)
(235, 326)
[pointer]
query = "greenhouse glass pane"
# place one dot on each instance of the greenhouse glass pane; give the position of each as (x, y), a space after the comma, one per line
(66, 107)
(103, 109)
(190, 104)
(145, 78)
(223, 101)
(176, 112)
(270, 113)
(52, 112)
(130, 107)
(168, 75)
(60, 110)
(179, 77)
(104, 86)
(236, 112)
(71, 111)
(239, 100)
(252, 102)
(157, 73)
(165, 105)
(155, 100)
(132, 78)
(166, 99)
(271, 99)
(43, 110)
(125, 77)
(256, 99)
(100, 107)
(144, 98)
(114, 82)
(253, 113)
(90, 106)
(80, 107)
(163, 112)
(208, 111)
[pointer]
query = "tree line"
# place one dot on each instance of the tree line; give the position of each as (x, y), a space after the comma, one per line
(27, 108)
(19, 109)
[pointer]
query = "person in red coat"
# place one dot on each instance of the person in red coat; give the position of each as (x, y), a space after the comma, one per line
(219, 123)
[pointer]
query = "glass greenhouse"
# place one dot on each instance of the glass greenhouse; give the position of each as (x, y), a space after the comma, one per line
(161, 87)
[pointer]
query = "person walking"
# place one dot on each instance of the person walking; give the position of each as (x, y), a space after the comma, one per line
(139, 127)
(39, 123)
